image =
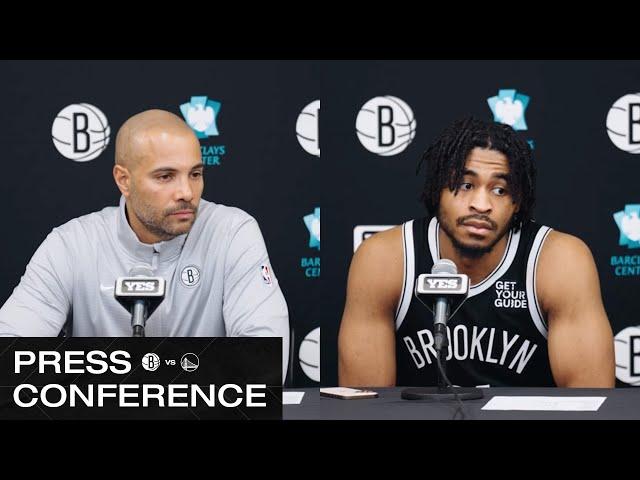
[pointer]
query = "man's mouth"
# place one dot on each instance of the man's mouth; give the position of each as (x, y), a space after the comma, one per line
(183, 213)
(478, 227)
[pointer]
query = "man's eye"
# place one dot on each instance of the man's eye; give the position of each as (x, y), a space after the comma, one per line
(500, 191)
(465, 186)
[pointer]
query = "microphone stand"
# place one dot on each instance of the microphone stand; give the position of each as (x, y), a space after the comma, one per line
(138, 318)
(445, 390)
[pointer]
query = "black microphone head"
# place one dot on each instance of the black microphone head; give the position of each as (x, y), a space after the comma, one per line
(444, 265)
(140, 270)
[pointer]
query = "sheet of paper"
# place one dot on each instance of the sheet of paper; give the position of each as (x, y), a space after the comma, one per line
(292, 398)
(564, 404)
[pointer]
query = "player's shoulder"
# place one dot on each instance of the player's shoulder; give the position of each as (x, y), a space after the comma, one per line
(218, 215)
(565, 261)
(382, 245)
(216, 220)
(377, 268)
(379, 257)
(563, 249)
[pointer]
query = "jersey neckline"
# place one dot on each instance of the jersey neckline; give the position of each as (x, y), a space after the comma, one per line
(507, 258)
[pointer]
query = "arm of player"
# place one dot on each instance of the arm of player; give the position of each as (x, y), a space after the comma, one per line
(39, 305)
(580, 341)
(366, 342)
(253, 304)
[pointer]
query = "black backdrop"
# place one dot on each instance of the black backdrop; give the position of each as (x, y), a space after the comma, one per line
(264, 170)
(583, 178)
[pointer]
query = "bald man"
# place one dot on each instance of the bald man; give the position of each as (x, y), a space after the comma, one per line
(213, 257)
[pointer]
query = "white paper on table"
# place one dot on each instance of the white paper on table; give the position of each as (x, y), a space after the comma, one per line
(292, 398)
(564, 404)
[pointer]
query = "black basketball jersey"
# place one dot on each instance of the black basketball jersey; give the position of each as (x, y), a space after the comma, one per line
(497, 338)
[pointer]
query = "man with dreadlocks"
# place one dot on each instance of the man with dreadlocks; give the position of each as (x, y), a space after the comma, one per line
(534, 315)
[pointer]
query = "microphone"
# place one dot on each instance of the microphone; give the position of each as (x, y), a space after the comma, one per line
(442, 291)
(140, 293)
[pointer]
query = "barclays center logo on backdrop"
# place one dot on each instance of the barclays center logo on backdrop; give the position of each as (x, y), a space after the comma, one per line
(311, 264)
(623, 123)
(386, 125)
(80, 132)
(628, 222)
(308, 128)
(509, 107)
(201, 114)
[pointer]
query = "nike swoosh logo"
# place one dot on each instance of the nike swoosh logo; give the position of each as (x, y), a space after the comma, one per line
(105, 289)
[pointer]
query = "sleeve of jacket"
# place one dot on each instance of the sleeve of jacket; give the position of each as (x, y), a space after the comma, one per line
(39, 304)
(253, 304)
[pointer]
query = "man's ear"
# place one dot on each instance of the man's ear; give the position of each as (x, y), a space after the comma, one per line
(517, 207)
(122, 176)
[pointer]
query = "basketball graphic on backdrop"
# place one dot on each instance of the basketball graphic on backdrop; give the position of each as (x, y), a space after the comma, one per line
(385, 125)
(623, 123)
(80, 132)
(309, 355)
(308, 128)
(627, 346)
(151, 362)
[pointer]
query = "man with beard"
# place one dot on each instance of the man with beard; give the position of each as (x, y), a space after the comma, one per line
(534, 315)
(213, 257)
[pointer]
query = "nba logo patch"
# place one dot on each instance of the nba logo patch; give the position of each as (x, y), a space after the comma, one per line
(266, 275)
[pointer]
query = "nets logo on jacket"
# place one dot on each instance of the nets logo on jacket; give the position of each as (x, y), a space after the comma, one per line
(190, 276)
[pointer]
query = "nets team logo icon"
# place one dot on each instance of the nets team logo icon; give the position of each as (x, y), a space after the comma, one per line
(628, 221)
(386, 125)
(309, 355)
(150, 362)
(80, 132)
(201, 114)
(509, 107)
(308, 128)
(190, 276)
(623, 123)
(627, 345)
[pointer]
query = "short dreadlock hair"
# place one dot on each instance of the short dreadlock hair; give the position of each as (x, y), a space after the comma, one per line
(446, 157)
